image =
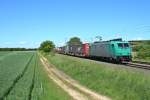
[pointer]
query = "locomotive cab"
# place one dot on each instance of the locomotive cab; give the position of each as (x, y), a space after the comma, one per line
(121, 51)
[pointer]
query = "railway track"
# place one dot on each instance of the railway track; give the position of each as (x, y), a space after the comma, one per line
(138, 65)
(141, 62)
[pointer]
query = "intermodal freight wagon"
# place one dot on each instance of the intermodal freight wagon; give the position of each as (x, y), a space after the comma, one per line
(77, 49)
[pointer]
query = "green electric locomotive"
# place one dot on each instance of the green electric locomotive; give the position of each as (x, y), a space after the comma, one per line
(115, 50)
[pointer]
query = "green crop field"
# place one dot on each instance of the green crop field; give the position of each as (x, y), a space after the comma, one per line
(22, 77)
(117, 83)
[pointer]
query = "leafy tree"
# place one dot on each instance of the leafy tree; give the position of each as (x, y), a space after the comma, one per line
(144, 51)
(47, 46)
(74, 41)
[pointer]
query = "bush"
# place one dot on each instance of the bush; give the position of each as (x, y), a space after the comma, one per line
(47, 46)
(144, 51)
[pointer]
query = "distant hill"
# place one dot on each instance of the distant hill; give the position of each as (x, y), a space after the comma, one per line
(135, 44)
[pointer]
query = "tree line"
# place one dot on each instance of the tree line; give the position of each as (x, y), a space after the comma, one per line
(18, 49)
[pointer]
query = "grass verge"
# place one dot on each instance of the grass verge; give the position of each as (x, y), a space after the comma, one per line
(117, 83)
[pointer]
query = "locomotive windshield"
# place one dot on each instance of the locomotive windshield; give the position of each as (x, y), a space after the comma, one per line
(126, 45)
(123, 45)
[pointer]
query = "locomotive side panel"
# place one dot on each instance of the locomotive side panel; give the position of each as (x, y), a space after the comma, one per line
(101, 49)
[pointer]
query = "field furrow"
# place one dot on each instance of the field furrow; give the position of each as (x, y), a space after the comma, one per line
(12, 69)
(23, 87)
(33, 80)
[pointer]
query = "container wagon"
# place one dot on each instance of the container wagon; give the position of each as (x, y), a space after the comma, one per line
(79, 50)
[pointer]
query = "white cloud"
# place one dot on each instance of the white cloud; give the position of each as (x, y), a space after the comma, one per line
(138, 38)
(7, 43)
(23, 42)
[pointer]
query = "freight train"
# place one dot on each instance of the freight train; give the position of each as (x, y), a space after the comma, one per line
(114, 50)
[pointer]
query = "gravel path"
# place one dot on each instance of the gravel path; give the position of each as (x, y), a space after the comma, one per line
(72, 87)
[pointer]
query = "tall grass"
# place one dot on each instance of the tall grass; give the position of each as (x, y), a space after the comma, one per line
(117, 83)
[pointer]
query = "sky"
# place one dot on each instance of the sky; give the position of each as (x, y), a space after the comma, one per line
(26, 23)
